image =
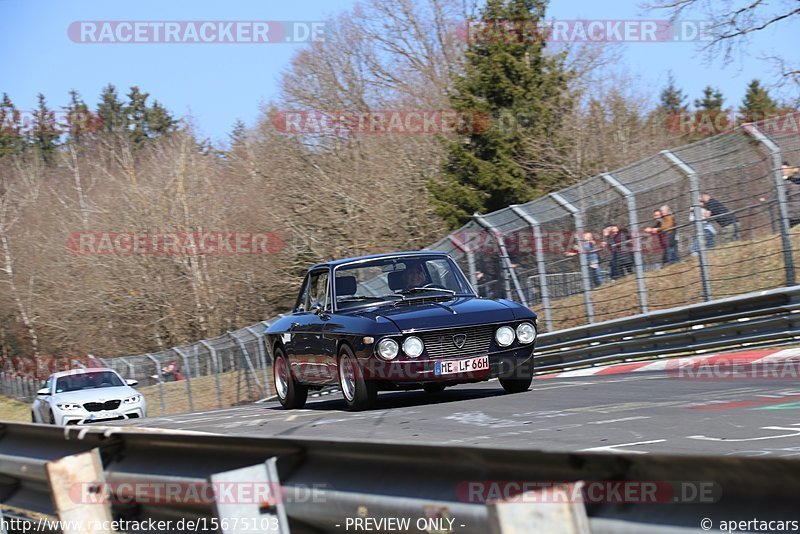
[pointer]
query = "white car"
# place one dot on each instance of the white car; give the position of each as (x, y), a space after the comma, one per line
(87, 396)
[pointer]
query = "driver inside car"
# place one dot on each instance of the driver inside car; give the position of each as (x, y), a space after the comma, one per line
(414, 276)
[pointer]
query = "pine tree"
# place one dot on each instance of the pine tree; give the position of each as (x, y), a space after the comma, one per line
(159, 120)
(523, 90)
(79, 118)
(136, 115)
(11, 138)
(110, 110)
(711, 101)
(757, 104)
(45, 132)
(672, 97)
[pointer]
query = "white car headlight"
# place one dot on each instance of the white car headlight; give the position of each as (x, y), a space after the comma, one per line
(413, 347)
(504, 336)
(526, 333)
(69, 406)
(133, 400)
(388, 348)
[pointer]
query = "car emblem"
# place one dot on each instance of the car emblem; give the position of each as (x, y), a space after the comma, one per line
(459, 340)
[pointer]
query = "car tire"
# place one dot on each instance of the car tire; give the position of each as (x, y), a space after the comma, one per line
(290, 394)
(33, 417)
(520, 381)
(52, 420)
(358, 393)
(433, 388)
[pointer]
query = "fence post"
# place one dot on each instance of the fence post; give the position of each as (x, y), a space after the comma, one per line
(217, 370)
(160, 382)
(582, 259)
(540, 263)
(188, 377)
(633, 218)
(262, 357)
(697, 210)
(473, 276)
(780, 193)
(131, 368)
(509, 274)
(249, 363)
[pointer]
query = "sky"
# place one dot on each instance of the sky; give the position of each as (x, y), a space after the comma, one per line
(216, 84)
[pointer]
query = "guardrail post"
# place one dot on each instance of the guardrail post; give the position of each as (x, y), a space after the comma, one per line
(217, 370)
(262, 358)
(160, 382)
(508, 269)
(473, 276)
(266, 516)
(78, 489)
(780, 193)
(187, 378)
(582, 259)
(697, 210)
(633, 219)
(540, 264)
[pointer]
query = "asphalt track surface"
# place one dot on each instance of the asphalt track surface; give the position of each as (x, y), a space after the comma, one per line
(633, 413)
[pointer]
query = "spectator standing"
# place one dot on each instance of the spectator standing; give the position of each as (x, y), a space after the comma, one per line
(727, 220)
(618, 242)
(709, 232)
(665, 229)
(792, 185)
(589, 247)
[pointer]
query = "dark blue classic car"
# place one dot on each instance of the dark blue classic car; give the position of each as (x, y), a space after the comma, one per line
(397, 321)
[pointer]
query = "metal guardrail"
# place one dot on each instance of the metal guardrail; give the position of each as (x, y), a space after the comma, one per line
(760, 318)
(320, 485)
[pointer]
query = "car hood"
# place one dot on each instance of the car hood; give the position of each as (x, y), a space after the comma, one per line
(426, 315)
(96, 394)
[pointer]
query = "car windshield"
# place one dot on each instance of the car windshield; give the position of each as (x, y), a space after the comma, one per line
(77, 382)
(399, 278)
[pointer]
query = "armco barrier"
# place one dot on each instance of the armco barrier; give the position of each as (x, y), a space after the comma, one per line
(761, 318)
(324, 484)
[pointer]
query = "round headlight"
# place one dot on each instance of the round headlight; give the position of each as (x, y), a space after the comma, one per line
(413, 347)
(388, 349)
(526, 333)
(504, 336)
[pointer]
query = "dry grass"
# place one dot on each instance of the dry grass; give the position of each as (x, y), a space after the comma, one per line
(735, 268)
(14, 410)
(232, 386)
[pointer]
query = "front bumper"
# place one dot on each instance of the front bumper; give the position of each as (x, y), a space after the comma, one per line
(507, 363)
(84, 417)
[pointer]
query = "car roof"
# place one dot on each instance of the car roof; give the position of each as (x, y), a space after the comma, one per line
(73, 372)
(342, 261)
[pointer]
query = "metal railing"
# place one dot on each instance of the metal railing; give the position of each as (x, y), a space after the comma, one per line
(305, 485)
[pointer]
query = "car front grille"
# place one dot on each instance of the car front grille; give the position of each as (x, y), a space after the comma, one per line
(100, 406)
(442, 345)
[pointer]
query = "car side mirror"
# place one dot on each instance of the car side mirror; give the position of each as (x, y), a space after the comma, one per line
(132, 382)
(316, 309)
(43, 391)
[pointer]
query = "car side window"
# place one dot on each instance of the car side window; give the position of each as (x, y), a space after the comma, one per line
(48, 383)
(303, 298)
(318, 291)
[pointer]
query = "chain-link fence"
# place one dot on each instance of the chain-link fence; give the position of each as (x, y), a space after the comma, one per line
(214, 373)
(707, 220)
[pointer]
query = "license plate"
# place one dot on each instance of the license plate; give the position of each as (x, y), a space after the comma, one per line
(101, 415)
(481, 363)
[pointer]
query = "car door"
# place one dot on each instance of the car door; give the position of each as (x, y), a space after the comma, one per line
(43, 406)
(307, 329)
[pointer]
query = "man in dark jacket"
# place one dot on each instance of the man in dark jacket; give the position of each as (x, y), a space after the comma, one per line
(723, 216)
(792, 185)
